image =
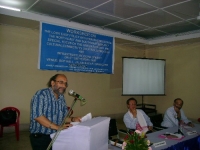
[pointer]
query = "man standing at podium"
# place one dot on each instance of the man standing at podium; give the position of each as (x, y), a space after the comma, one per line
(48, 110)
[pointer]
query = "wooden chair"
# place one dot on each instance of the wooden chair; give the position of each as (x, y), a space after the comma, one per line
(16, 124)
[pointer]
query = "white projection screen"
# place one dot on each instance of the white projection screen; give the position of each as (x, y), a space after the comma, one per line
(143, 76)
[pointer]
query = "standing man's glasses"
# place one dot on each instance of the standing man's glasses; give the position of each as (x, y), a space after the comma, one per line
(62, 82)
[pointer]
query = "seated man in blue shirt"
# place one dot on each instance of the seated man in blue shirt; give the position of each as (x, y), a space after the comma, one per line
(175, 115)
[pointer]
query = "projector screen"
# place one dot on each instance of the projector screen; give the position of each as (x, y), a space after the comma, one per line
(142, 76)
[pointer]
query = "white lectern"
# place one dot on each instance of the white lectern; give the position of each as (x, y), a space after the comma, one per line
(88, 135)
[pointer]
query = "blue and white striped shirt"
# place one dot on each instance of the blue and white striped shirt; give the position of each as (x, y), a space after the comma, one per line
(45, 104)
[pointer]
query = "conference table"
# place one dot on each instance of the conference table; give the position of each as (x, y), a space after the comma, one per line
(190, 141)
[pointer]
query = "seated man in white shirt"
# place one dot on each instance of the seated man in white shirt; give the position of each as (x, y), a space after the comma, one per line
(175, 115)
(136, 119)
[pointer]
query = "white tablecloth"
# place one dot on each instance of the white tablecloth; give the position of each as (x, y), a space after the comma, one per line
(88, 135)
(154, 137)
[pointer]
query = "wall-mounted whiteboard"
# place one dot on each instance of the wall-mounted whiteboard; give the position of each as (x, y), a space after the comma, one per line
(142, 76)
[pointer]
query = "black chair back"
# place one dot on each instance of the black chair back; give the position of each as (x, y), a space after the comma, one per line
(112, 128)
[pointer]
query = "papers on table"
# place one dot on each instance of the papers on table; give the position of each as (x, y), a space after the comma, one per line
(187, 127)
(83, 119)
(172, 136)
(191, 132)
(86, 117)
(74, 123)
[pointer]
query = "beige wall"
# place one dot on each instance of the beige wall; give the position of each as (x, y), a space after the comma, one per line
(182, 77)
(20, 78)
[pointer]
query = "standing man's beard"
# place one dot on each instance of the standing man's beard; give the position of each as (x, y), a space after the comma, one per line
(58, 90)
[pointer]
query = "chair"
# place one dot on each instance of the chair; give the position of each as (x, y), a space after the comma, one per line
(70, 111)
(157, 120)
(113, 130)
(147, 108)
(16, 124)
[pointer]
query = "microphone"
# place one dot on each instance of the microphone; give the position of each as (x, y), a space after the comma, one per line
(74, 94)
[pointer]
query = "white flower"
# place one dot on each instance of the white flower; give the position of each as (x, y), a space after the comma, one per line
(148, 142)
(123, 145)
(149, 148)
(137, 131)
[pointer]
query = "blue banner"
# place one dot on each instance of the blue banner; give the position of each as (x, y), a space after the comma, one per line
(67, 49)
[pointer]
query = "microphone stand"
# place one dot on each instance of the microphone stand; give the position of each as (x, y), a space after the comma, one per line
(61, 126)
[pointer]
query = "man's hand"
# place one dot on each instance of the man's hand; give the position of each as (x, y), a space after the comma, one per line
(76, 119)
(150, 128)
(66, 125)
(177, 110)
(190, 124)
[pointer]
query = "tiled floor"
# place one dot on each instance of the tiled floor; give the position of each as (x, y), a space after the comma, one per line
(9, 142)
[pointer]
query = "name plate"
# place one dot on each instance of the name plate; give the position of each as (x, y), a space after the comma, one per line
(158, 144)
(117, 143)
(191, 132)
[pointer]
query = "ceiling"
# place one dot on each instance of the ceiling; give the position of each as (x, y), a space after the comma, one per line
(138, 19)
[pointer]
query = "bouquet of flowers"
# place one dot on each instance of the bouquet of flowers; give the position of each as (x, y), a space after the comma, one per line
(136, 141)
